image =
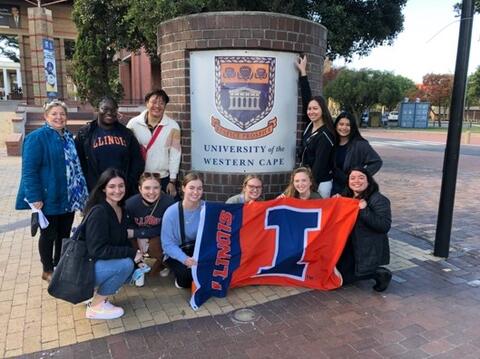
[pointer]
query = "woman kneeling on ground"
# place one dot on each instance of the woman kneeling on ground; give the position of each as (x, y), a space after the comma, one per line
(367, 246)
(251, 190)
(301, 185)
(179, 230)
(144, 213)
(107, 243)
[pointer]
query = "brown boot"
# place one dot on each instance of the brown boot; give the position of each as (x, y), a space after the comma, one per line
(47, 276)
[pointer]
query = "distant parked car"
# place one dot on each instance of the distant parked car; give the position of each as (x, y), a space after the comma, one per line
(393, 116)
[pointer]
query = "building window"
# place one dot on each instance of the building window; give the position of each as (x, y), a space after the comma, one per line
(69, 48)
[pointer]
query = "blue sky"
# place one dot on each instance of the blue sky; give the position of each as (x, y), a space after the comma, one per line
(428, 43)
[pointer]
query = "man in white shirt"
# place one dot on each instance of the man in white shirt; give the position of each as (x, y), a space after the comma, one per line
(159, 137)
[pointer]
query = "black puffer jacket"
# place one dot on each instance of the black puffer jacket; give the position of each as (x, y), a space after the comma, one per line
(359, 154)
(369, 236)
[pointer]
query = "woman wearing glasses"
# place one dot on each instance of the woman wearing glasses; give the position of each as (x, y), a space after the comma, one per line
(144, 216)
(179, 230)
(251, 190)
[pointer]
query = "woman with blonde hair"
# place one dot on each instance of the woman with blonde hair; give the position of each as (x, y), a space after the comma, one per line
(251, 190)
(302, 185)
(144, 212)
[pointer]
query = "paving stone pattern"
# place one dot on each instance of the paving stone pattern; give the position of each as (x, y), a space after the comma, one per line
(429, 311)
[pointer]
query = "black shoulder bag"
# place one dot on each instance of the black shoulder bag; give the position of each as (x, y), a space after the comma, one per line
(73, 279)
(186, 247)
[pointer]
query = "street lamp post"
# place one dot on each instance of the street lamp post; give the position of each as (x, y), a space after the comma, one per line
(452, 150)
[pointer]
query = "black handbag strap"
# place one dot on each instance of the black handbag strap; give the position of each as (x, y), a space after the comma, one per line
(181, 219)
(79, 233)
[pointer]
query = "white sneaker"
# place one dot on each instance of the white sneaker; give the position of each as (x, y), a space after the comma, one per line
(105, 310)
(176, 285)
(140, 282)
(165, 272)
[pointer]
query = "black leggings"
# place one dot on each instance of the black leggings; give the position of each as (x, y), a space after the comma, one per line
(183, 274)
(59, 227)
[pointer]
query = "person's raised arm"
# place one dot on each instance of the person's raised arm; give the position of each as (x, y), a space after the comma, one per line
(305, 89)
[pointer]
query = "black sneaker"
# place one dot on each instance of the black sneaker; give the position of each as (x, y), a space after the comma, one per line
(383, 276)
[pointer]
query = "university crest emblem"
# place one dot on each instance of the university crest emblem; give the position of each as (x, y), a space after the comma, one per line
(244, 94)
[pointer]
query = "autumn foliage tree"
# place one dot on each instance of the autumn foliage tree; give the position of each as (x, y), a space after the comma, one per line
(438, 91)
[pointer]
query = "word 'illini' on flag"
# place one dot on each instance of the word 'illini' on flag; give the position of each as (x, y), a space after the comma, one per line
(281, 242)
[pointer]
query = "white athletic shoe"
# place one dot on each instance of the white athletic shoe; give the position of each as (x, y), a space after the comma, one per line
(165, 272)
(106, 310)
(140, 282)
(176, 285)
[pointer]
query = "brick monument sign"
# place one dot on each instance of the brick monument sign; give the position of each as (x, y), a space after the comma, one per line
(233, 87)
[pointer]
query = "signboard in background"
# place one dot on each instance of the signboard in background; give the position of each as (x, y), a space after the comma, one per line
(413, 114)
(50, 69)
(243, 111)
(9, 16)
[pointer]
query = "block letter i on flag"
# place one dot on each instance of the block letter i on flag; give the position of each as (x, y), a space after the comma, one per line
(290, 241)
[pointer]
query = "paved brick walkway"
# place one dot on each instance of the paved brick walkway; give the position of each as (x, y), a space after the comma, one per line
(412, 180)
(430, 310)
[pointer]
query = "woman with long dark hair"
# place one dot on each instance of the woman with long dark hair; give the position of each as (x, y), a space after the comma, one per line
(351, 150)
(179, 230)
(367, 247)
(318, 138)
(107, 243)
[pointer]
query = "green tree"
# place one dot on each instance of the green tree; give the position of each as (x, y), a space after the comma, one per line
(355, 27)
(473, 88)
(458, 7)
(358, 90)
(101, 28)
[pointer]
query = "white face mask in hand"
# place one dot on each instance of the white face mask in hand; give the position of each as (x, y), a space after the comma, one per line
(40, 219)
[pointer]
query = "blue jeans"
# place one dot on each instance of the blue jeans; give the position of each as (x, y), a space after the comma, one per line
(112, 274)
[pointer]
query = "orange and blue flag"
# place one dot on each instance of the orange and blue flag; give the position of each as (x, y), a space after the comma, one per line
(285, 241)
